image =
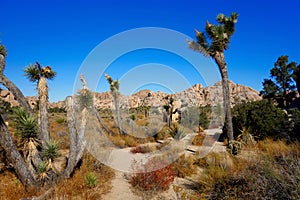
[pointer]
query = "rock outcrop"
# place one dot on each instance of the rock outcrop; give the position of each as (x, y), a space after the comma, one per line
(194, 96)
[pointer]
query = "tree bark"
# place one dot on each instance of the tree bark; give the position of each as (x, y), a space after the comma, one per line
(16, 92)
(71, 119)
(14, 156)
(76, 136)
(220, 60)
(118, 114)
(44, 131)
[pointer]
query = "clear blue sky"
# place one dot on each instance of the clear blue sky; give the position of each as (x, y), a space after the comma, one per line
(62, 33)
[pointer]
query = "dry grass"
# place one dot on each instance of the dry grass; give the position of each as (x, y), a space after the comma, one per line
(273, 173)
(198, 139)
(75, 187)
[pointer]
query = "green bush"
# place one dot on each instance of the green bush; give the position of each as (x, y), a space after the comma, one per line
(60, 120)
(91, 180)
(262, 118)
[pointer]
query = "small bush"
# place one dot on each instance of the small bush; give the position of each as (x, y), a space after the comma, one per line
(234, 147)
(147, 180)
(50, 150)
(91, 180)
(176, 131)
(60, 120)
(184, 166)
(198, 139)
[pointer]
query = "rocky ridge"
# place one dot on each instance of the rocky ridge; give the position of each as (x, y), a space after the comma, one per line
(197, 95)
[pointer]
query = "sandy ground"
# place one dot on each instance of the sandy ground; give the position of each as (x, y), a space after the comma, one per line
(121, 189)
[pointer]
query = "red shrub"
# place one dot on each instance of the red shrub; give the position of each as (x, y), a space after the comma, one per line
(157, 180)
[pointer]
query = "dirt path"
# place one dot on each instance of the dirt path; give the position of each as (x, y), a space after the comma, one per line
(121, 188)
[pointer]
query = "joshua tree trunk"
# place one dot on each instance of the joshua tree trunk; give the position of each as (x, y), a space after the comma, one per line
(118, 114)
(76, 137)
(14, 156)
(12, 87)
(220, 60)
(44, 132)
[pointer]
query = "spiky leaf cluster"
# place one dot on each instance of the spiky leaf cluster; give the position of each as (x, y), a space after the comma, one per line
(50, 150)
(36, 71)
(114, 85)
(85, 98)
(25, 124)
(215, 38)
(3, 50)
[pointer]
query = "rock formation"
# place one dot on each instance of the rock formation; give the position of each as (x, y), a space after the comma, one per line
(194, 96)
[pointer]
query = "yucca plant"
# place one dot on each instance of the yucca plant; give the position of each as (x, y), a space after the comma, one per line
(40, 74)
(176, 132)
(3, 50)
(26, 131)
(25, 124)
(42, 171)
(50, 150)
(91, 180)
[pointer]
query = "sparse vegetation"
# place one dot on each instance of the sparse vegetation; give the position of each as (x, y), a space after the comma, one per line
(50, 151)
(90, 180)
(152, 177)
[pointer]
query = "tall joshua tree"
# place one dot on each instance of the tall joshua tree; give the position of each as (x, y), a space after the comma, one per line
(40, 74)
(213, 42)
(9, 84)
(114, 88)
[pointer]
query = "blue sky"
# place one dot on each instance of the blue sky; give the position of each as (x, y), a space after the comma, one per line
(62, 34)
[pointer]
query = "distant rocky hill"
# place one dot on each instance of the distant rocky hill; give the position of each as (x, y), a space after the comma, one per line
(194, 96)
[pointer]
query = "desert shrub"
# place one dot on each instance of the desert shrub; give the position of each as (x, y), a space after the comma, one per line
(294, 117)
(273, 174)
(184, 166)
(198, 139)
(234, 147)
(176, 131)
(60, 120)
(90, 180)
(50, 150)
(5, 107)
(262, 118)
(163, 133)
(57, 110)
(146, 179)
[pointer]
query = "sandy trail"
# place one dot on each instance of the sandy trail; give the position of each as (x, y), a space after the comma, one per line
(121, 188)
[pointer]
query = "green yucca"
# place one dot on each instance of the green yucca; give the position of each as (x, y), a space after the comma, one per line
(42, 171)
(91, 180)
(25, 124)
(3, 50)
(50, 150)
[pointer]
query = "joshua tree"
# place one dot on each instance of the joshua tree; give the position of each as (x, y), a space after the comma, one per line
(213, 42)
(14, 156)
(27, 131)
(38, 73)
(114, 88)
(9, 84)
